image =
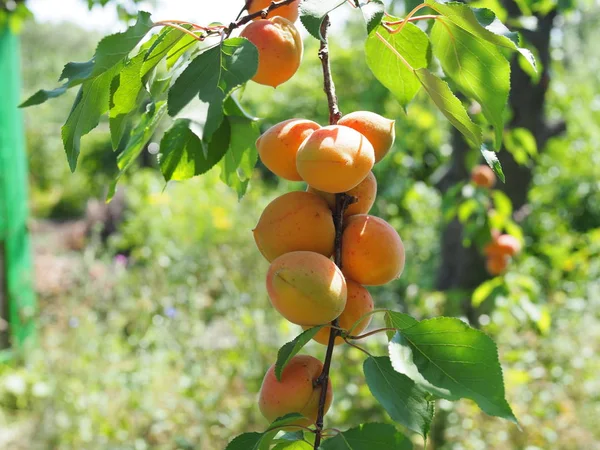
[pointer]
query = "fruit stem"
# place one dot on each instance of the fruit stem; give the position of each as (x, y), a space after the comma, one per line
(258, 14)
(342, 201)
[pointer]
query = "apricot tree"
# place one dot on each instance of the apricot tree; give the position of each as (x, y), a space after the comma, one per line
(322, 245)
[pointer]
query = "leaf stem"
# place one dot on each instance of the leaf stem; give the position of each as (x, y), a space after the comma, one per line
(358, 347)
(263, 13)
(180, 28)
(364, 316)
(370, 333)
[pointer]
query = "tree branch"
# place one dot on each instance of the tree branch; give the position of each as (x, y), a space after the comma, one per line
(262, 14)
(342, 201)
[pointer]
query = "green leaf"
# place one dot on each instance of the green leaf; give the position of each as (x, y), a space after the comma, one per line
(369, 436)
(183, 155)
(492, 160)
(405, 402)
(481, 24)
(392, 58)
(43, 95)
(477, 67)
(213, 75)
(398, 321)
(114, 48)
(186, 44)
(452, 360)
(295, 445)
(246, 441)
(166, 41)
(521, 144)
(289, 350)
(238, 163)
(373, 13)
(450, 106)
(312, 13)
(137, 141)
(502, 203)
(91, 103)
(485, 290)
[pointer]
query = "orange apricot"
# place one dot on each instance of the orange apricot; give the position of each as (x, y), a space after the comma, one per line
(364, 192)
(359, 303)
(335, 159)
(508, 244)
(372, 251)
(279, 145)
(279, 49)
(483, 176)
(290, 12)
(296, 392)
(496, 264)
(380, 131)
(306, 288)
(295, 221)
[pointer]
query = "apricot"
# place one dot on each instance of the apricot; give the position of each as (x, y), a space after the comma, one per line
(509, 245)
(295, 221)
(372, 251)
(296, 392)
(290, 12)
(380, 131)
(483, 176)
(335, 159)
(306, 288)
(365, 193)
(279, 49)
(359, 303)
(496, 264)
(279, 145)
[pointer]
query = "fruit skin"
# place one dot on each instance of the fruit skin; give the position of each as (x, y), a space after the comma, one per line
(306, 288)
(380, 132)
(290, 12)
(372, 251)
(365, 192)
(335, 159)
(483, 176)
(279, 49)
(503, 245)
(496, 264)
(295, 221)
(295, 392)
(279, 145)
(359, 303)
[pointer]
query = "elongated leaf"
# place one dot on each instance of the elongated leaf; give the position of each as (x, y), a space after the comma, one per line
(482, 24)
(450, 106)
(43, 95)
(91, 103)
(477, 67)
(262, 441)
(452, 360)
(289, 350)
(369, 436)
(391, 58)
(405, 402)
(213, 75)
(246, 441)
(312, 13)
(492, 159)
(161, 47)
(373, 13)
(183, 155)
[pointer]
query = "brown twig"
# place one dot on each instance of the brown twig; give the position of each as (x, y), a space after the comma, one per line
(263, 13)
(341, 203)
(370, 333)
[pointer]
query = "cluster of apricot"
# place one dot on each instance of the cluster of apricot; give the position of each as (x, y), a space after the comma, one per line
(296, 234)
(499, 252)
(278, 42)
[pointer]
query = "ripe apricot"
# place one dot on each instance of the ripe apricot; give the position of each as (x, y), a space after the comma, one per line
(380, 131)
(496, 264)
(508, 244)
(290, 12)
(306, 288)
(295, 221)
(279, 49)
(279, 145)
(359, 303)
(372, 251)
(364, 192)
(296, 392)
(335, 159)
(483, 176)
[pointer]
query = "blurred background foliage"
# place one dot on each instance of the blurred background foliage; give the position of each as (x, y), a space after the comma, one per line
(158, 336)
